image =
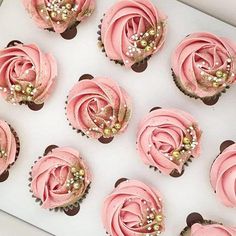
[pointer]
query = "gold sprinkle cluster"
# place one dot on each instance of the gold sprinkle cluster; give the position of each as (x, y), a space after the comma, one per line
(109, 132)
(75, 183)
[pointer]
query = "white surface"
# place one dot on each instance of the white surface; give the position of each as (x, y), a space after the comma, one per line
(224, 10)
(154, 87)
(10, 226)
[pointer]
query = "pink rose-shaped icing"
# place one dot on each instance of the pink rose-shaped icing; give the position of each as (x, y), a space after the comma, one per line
(60, 178)
(98, 107)
(223, 176)
(133, 208)
(212, 230)
(132, 30)
(26, 74)
(59, 15)
(204, 64)
(167, 138)
(7, 146)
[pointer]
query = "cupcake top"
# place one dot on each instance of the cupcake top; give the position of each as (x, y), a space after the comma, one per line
(98, 107)
(26, 74)
(59, 15)
(167, 139)
(133, 208)
(212, 230)
(223, 176)
(8, 147)
(204, 64)
(132, 30)
(60, 178)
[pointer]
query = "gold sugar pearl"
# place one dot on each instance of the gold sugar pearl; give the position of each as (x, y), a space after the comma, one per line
(53, 14)
(148, 48)
(114, 130)
(156, 227)
(68, 6)
(73, 169)
(81, 172)
(215, 85)
(159, 218)
(176, 154)
(219, 73)
(224, 76)
(29, 98)
(118, 126)
(143, 43)
(107, 131)
(18, 88)
(76, 186)
(187, 146)
(28, 89)
(186, 140)
(152, 32)
(64, 16)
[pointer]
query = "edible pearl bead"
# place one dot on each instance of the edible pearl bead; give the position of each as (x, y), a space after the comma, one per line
(219, 73)
(76, 185)
(186, 140)
(176, 154)
(225, 76)
(156, 227)
(152, 32)
(28, 90)
(148, 48)
(159, 218)
(107, 131)
(81, 172)
(187, 146)
(118, 126)
(53, 14)
(68, 6)
(64, 16)
(151, 216)
(114, 131)
(144, 43)
(29, 98)
(17, 88)
(73, 169)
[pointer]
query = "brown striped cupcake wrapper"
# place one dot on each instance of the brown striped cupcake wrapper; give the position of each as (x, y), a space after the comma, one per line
(70, 209)
(4, 176)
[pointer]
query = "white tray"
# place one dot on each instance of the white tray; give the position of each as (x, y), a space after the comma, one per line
(154, 87)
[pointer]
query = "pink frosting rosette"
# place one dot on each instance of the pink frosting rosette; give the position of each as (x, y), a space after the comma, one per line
(167, 139)
(59, 15)
(223, 176)
(8, 147)
(26, 74)
(133, 208)
(132, 30)
(99, 108)
(212, 230)
(204, 64)
(60, 178)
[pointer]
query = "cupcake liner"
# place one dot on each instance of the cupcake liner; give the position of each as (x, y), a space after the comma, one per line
(137, 67)
(4, 176)
(72, 208)
(206, 100)
(192, 219)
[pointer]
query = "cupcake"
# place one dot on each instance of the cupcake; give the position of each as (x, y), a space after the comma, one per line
(60, 16)
(133, 208)
(60, 179)
(197, 226)
(223, 174)
(131, 32)
(9, 149)
(204, 65)
(167, 139)
(98, 108)
(27, 74)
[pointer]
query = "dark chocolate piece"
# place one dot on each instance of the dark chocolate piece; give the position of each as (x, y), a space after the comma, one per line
(35, 107)
(226, 144)
(72, 212)
(86, 76)
(194, 218)
(119, 181)
(13, 43)
(175, 173)
(154, 108)
(140, 66)
(69, 33)
(49, 149)
(105, 140)
(4, 176)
